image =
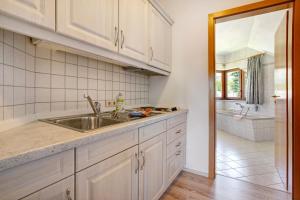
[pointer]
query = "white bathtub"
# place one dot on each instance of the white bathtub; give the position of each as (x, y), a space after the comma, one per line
(252, 127)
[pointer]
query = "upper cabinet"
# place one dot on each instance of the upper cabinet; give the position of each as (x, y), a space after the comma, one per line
(133, 30)
(160, 37)
(39, 12)
(94, 21)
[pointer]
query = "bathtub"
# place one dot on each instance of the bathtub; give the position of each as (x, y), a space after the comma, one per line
(252, 127)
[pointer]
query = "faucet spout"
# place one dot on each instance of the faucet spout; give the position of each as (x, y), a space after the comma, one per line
(96, 106)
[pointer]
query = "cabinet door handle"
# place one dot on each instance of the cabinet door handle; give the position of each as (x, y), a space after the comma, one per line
(179, 131)
(179, 144)
(138, 163)
(122, 38)
(178, 153)
(68, 194)
(116, 36)
(152, 54)
(144, 160)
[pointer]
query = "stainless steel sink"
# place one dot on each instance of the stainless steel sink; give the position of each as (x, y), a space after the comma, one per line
(89, 122)
(83, 123)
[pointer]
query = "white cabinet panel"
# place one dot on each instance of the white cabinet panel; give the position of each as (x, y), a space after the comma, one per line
(92, 21)
(133, 29)
(40, 12)
(63, 190)
(113, 179)
(152, 168)
(160, 40)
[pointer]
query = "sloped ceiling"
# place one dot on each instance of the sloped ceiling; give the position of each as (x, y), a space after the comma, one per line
(255, 32)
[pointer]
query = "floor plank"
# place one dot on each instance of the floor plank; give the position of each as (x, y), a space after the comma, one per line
(189, 186)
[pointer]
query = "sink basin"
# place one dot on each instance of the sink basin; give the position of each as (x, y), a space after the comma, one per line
(83, 123)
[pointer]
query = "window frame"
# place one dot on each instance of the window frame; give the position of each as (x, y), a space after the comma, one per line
(242, 95)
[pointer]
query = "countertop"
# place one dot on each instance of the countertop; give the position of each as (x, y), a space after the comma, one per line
(38, 139)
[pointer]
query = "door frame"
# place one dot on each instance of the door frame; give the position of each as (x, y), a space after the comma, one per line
(246, 11)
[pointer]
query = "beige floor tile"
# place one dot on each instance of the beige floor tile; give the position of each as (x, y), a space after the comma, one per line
(265, 180)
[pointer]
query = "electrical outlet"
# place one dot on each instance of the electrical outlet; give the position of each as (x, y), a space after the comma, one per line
(110, 103)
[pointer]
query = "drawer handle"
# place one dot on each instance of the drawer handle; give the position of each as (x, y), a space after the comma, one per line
(144, 160)
(179, 131)
(138, 163)
(68, 193)
(116, 36)
(178, 153)
(179, 144)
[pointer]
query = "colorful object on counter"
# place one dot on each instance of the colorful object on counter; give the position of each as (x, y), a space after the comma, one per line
(142, 113)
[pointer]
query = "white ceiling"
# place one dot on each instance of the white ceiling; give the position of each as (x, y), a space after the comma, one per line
(255, 32)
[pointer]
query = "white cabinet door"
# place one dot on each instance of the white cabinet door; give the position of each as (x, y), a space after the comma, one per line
(133, 32)
(113, 179)
(160, 40)
(92, 21)
(40, 12)
(63, 190)
(152, 168)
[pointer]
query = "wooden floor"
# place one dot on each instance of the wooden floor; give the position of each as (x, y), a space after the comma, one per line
(189, 186)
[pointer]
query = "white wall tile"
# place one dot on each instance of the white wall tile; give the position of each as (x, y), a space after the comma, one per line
(71, 70)
(71, 82)
(71, 95)
(101, 85)
(8, 52)
(101, 95)
(19, 41)
(92, 63)
(42, 80)
(19, 77)
(19, 95)
(42, 95)
(57, 106)
(92, 73)
(57, 95)
(30, 63)
(71, 58)
(30, 48)
(8, 92)
(42, 107)
(8, 37)
(1, 96)
(30, 95)
(42, 65)
(57, 81)
(92, 84)
(1, 35)
(1, 52)
(71, 105)
(8, 72)
(59, 56)
(83, 61)
(81, 94)
(58, 68)
(101, 74)
(29, 109)
(8, 112)
(30, 79)
(82, 83)
(43, 53)
(82, 71)
(19, 111)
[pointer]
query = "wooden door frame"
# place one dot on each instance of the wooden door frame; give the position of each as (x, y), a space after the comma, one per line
(246, 11)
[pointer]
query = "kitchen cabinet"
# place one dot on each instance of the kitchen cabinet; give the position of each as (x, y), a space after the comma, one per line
(133, 29)
(38, 12)
(94, 22)
(152, 168)
(115, 178)
(63, 190)
(159, 40)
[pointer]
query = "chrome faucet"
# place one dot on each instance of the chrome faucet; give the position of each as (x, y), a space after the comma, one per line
(241, 106)
(96, 106)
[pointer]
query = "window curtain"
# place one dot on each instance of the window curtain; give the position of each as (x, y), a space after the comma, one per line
(255, 83)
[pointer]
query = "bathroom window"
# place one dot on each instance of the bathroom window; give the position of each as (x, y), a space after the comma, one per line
(230, 84)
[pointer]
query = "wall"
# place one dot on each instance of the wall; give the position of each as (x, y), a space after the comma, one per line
(187, 85)
(36, 80)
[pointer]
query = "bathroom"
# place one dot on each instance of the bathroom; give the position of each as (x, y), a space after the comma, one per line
(245, 103)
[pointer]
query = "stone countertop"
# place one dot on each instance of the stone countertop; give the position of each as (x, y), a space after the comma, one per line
(38, 139)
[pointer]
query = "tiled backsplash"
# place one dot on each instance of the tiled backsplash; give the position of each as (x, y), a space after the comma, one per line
(39, 80)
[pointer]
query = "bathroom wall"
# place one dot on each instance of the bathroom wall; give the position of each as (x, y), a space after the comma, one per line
(37, 80)
(236, 60)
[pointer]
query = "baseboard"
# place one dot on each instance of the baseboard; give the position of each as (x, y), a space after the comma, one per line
(204, 174)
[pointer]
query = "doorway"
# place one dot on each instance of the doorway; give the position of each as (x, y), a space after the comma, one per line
(251, 99)
(291, 114)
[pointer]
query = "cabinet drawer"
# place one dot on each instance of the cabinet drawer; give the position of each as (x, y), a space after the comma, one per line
(152, 130)
(176, 146)
(176, 132)
(176, 121)
(90, 154)
(62, 190)
(23, 180)
(174, 166)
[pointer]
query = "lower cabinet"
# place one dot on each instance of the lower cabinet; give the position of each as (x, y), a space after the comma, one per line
(63, 190)
(152, 168)
(115, 178)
